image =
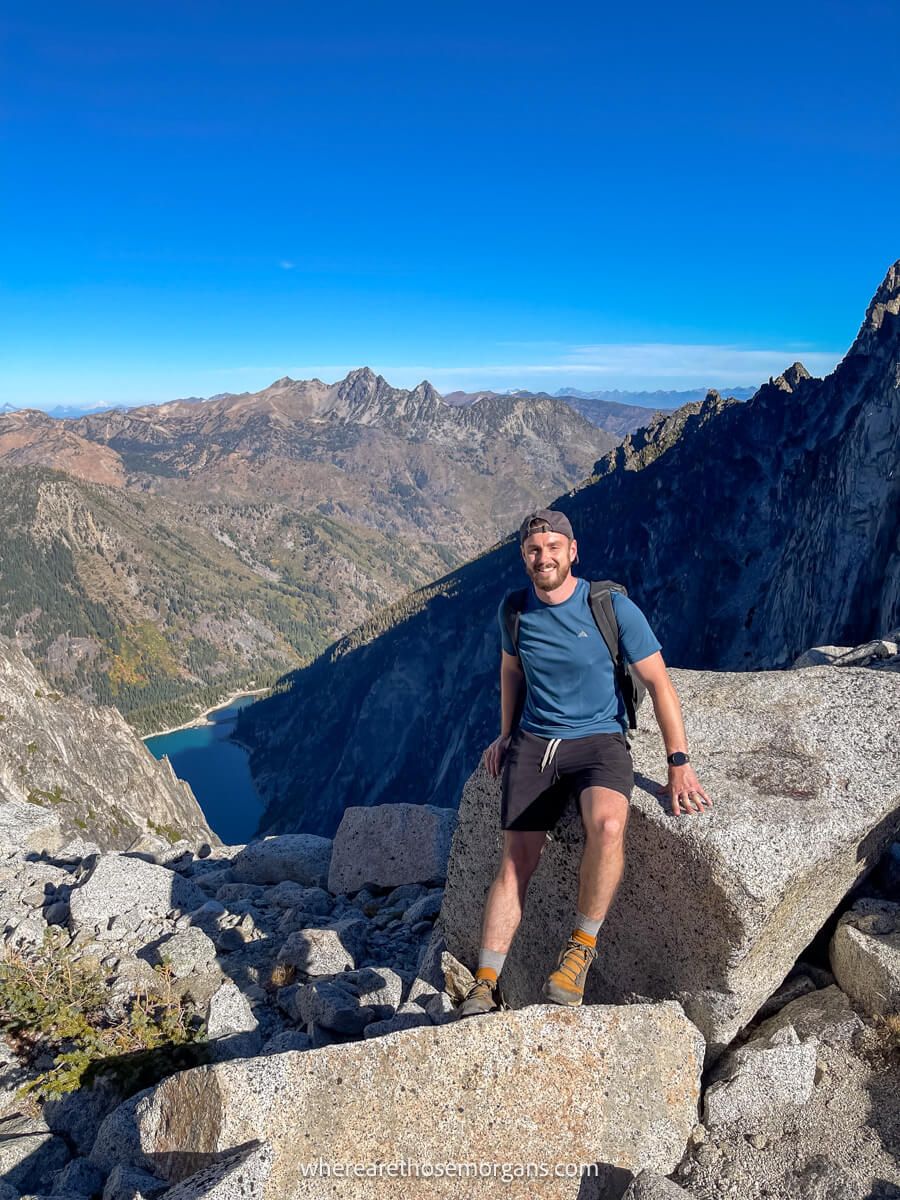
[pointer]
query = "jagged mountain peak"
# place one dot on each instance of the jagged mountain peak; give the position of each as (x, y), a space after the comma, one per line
(427, 391)
(880, 323)
(791, 379)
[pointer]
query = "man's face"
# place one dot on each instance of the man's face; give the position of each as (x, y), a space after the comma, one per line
(548, 559)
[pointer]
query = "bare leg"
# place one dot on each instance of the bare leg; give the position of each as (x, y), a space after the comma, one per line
(605, 815)
(506, 895)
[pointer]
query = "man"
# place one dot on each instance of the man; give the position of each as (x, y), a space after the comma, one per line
(569, 740)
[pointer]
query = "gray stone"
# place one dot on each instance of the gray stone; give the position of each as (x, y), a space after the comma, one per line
(117, 1138)
(425, 908)
(186, 952)
(779, 752)
(325, 951)
(825, 1015)
(648, 1186)
(328, 1003)
(438, 971)
(400, 897)
(391, 844)
(762, 1081)
(818, 656)
(122, 892)
(129, 1183)
(469, 1090)
(301, 857)
(30, 1154)
(231, 1026)
(865, 956)
(348, 1002)
(79, 1175)
(239, 1175)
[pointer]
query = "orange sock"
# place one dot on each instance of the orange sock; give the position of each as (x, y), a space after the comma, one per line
(486, 973)
(585, 938)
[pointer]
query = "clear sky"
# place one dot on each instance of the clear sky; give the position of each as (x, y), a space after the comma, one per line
(200, 197)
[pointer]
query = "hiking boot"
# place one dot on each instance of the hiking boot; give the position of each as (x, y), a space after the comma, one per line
(566, 984)
(482, 997)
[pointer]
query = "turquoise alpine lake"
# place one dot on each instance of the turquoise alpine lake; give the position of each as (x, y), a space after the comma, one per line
(217, 770)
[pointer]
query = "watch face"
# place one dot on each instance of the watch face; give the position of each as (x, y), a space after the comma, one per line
(678, 759)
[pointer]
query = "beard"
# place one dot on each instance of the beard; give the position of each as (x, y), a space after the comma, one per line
(549, 581)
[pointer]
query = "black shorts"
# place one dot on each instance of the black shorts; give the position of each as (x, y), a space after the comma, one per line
(534, 799)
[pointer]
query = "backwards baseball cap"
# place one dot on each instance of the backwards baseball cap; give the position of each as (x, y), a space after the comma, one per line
(545, 520)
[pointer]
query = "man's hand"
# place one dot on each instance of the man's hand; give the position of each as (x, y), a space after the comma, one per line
(685, 791)
(494, 755)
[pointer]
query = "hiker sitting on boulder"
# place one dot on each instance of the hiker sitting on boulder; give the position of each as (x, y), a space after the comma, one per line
(576, 659)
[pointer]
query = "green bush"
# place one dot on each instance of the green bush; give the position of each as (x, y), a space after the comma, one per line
(51, 1003)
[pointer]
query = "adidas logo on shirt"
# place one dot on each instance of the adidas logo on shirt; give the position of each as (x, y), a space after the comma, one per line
(582, 633)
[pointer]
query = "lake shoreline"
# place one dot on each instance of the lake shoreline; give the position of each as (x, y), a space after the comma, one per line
(203, 718)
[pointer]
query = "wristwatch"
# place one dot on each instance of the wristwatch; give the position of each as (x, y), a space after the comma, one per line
(677, 759)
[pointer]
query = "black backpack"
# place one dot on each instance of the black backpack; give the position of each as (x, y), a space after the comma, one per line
(600, 602)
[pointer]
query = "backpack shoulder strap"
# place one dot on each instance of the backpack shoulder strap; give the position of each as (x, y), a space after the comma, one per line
(513, 606)
(601, 606)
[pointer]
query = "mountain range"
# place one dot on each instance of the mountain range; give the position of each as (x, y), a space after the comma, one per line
(154, 557)
(747, 532)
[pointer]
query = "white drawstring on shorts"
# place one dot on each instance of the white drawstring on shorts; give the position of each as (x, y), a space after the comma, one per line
(550, 752)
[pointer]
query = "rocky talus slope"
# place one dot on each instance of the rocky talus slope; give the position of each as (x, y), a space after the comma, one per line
(331, 1063)
(70, 772)
(159, 557)
(746, 532)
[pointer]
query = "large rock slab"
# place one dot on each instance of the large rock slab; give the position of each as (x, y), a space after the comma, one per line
(613, 1086)
(390, 844)
(713, 909)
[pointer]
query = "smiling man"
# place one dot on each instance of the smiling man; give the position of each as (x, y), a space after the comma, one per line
(570, 740)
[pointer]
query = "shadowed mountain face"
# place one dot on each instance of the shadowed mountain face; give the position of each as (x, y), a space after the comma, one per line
(196, 546)
(746, 531)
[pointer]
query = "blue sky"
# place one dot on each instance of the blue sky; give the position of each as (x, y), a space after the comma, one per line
(201, 197)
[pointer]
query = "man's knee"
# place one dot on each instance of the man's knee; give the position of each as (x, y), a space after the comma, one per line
(605, 815)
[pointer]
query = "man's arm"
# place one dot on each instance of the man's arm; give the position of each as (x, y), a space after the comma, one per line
(683, 786)
(512, 698)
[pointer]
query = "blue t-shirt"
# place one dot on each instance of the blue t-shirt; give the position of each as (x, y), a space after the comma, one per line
(568, 668)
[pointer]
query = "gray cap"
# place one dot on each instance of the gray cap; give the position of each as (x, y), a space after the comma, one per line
(545, 520)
